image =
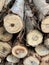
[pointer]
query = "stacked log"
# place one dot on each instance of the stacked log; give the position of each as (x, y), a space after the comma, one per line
(24, 32)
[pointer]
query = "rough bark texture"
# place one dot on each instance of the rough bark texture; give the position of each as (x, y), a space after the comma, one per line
(18, 8)
(42, 6)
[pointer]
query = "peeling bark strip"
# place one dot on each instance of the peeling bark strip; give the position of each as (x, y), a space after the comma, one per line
(18, 8)
(13, 23)
(45, 25)
(30, 21)
(42, 6)
(44, 63)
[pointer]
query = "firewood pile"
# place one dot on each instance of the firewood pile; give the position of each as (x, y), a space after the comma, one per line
(24, 32)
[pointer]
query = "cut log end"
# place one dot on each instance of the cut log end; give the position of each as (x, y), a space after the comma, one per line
(12, 59)
(13, 23)
(45, 25)
(5, 36)
(41, 50)
(34, 38)
(19, 51)
(5, 49)
(31, 61)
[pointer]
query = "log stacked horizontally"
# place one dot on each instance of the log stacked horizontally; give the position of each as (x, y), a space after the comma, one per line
(24, 32)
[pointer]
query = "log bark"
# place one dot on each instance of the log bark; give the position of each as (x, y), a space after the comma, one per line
(33, 36)
(44, 63)
(42, 6)
(18, 8)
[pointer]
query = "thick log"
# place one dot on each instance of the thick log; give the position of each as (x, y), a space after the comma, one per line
(31, 61)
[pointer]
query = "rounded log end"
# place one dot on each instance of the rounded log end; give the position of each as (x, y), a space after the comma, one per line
(5, 49)
(12, 59)
(13, 23)
(34, 38)
(19, 51)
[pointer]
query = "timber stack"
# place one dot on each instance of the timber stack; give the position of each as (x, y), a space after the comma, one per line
(24, 32)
